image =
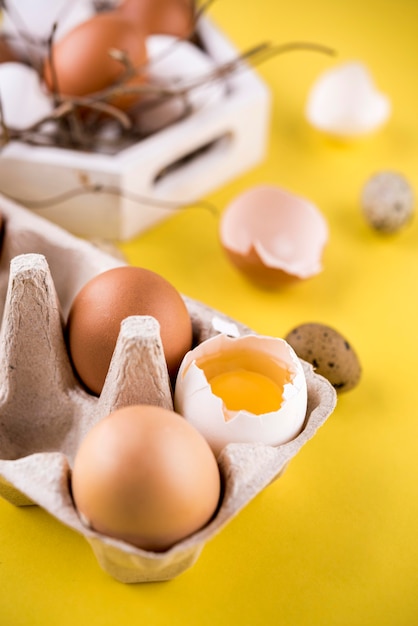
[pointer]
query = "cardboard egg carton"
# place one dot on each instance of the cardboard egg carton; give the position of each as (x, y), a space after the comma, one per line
(142, 184)
(45, 412)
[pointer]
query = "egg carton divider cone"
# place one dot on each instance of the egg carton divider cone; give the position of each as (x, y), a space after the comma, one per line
(179, 164)
(45, 412)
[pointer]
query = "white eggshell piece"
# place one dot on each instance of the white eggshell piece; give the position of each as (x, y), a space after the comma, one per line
(287, 232)
(177, 65)
(225, 327)
(23, 100)
(195, 400)
(345, 102)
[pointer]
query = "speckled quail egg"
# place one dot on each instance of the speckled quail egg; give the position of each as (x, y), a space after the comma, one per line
(329, 352)
(387, 201)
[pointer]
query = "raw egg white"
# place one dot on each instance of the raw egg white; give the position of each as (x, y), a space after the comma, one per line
(99, 308)
(273, 236)
(146, 476)
(242, 390)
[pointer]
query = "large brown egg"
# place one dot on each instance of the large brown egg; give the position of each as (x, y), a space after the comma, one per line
(146, 476)
(6, 53)
(161, 17)
(97, 312)
(81, 60)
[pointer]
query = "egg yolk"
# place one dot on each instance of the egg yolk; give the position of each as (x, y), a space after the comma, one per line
(242, 389)
(245, 380)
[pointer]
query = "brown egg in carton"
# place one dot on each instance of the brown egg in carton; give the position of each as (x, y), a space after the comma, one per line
(45, 412)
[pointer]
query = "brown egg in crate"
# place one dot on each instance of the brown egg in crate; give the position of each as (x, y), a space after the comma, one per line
(45, 412)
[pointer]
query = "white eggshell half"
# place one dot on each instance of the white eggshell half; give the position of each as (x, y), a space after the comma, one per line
(344, 102)
(194, 399)
(177, 64)
(287, 232)
(23, 100)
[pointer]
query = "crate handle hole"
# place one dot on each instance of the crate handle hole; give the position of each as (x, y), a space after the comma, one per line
(218, 144)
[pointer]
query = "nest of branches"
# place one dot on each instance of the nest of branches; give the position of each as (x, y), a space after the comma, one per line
(93, 123)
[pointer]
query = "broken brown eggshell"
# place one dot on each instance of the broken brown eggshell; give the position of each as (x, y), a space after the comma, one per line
(273, 236)
(45, 412)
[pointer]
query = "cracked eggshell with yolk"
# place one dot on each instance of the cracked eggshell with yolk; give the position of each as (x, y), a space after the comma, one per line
(273, 236)
(264, 383)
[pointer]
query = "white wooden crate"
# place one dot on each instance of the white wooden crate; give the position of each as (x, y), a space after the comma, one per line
(179, 164)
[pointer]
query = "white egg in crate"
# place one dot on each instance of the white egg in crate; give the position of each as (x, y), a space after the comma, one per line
(29, 25)
(24, 101)
(177, 66)
(38, 18)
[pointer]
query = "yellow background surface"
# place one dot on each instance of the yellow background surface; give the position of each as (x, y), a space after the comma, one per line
(335, 540)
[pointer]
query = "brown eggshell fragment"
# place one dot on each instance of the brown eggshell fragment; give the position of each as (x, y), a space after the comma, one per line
(273, 236)
(329, 352)
(105, 301)
(146, 476)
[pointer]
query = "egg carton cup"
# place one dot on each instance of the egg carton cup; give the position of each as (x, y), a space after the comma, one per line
(45, 412)
(144, 183)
